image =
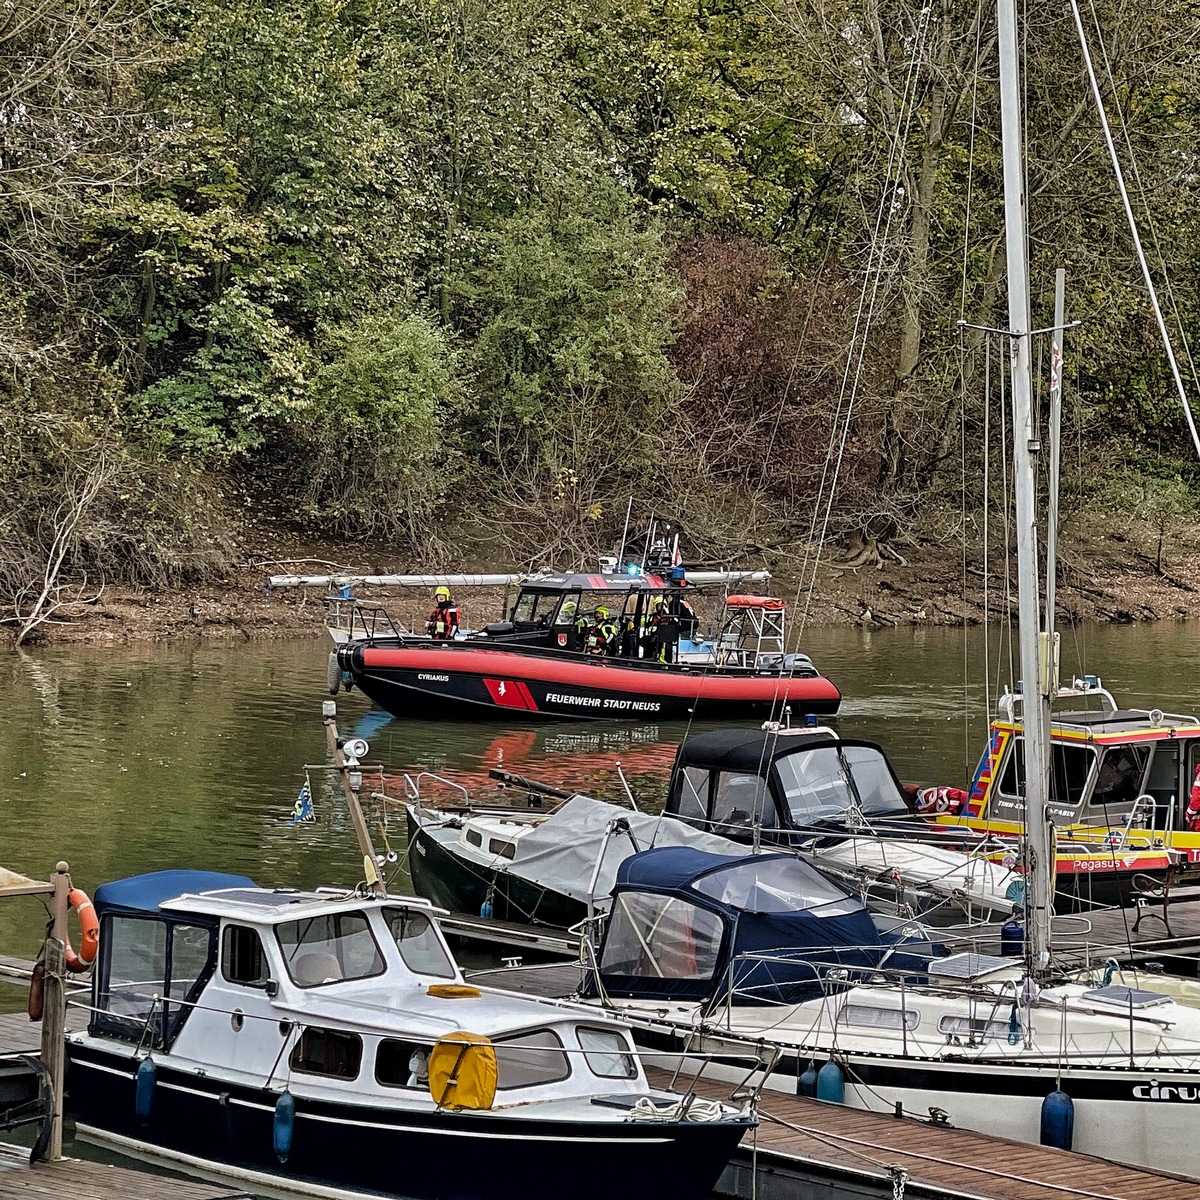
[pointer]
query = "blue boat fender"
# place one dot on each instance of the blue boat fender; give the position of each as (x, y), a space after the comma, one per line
(143, 1090)
(1012, 938)
(806, 1084)
(285, 1125)
(486, 910)
(831, 1083)
(1058, 1120)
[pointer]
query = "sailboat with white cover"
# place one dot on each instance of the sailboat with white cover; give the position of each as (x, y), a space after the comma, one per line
(1006, 1045)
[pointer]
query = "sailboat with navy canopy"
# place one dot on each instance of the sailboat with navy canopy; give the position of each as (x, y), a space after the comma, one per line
(1009, 1045)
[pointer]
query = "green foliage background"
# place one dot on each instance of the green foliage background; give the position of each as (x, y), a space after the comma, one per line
(447, 270)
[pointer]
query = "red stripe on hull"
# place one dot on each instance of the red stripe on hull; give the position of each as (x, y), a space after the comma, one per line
(712, 683)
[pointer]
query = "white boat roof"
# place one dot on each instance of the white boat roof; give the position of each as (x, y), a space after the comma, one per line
(273, 906)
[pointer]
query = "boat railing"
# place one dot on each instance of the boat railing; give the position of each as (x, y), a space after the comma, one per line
(412, 787)
(349, 619)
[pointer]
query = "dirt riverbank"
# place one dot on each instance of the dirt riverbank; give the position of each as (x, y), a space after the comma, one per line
(1115, 580)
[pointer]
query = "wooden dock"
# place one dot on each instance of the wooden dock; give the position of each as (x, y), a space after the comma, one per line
(802, 1146)
(82, 1180)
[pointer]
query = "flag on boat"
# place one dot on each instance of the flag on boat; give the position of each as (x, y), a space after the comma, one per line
(676, 557)
(302, 810)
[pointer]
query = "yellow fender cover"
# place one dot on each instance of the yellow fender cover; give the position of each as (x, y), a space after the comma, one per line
(462, 1071)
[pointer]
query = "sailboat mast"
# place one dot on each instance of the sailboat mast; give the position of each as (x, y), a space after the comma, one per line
(1039, 876)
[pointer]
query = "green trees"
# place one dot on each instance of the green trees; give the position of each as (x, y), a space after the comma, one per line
(367, 257)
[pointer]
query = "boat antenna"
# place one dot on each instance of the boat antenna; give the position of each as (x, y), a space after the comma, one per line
(1036, 706)
(625, 532)
(347, 766)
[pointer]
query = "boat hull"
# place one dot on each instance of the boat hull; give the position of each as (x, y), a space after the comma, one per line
(215, 1128)
(1143, 1117)
(457, 679)
(464, 887)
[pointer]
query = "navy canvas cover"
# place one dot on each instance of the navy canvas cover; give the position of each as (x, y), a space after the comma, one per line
(794, 922)
(142, 894)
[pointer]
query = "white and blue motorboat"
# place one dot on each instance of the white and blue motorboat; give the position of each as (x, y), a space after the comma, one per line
(325, 1043)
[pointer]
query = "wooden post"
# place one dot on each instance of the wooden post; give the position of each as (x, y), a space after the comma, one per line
(370, 862)
(54, 1014)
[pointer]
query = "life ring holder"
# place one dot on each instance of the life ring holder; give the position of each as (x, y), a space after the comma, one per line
(89, 925)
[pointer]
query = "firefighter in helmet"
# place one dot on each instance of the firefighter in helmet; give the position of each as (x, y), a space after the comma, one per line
(443, 620)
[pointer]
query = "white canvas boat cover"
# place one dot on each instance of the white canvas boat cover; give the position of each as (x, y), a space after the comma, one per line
(561, 853)
(933, 867)
(13, 884)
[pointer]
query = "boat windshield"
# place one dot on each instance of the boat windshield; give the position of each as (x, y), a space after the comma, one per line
(660, 937)
(418, 942)
(821, 785)
(778, 885)
(329, 948)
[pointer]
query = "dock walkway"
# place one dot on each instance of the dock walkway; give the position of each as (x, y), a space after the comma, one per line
(801, 1140)
(94, 1181)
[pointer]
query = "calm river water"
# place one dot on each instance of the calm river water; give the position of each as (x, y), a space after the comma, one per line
(130, 759)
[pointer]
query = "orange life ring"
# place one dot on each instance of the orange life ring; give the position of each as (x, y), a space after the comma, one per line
(773, 603)
(89, 925)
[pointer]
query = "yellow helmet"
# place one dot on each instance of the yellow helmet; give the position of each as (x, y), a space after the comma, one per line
(602, 613)
(442, 593)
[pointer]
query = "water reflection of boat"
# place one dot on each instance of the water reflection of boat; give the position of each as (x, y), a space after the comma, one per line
(315, 1043)
(588, 647)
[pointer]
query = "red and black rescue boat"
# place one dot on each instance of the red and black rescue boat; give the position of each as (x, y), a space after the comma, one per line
(594, 647)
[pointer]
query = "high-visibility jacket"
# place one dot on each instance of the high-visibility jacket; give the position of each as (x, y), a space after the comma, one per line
(443, 620)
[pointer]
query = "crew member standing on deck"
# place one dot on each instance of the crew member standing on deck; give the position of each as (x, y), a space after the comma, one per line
(443, 620)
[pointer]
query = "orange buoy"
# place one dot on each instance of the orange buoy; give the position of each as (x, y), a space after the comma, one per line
(89, 924)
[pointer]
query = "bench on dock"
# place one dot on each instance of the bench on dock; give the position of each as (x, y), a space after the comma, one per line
(1153, 897)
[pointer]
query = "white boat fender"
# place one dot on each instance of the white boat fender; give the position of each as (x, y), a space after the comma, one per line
(285, 1124)
(333, 674)
(143, 1090)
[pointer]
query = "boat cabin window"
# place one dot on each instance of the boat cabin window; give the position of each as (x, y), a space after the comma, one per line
(660, 937)
(502, 849)
(874, 781)
(402, 1064)
(1119, 780)
(145, 957)
(419, 944)
(530, 1059)
(328, 1052)
(870, 1016)
(693, 794)
(607, 1053)
(474, 838)
(329, 948)
(1070, 769)
(1163, 782)
(535, 608)
(775, 886)
(821, 785)
(739, 802)
(978, 1028)
(243, 959)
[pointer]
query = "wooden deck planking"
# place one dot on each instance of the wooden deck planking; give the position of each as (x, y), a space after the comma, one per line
(94, 1181)
(20, 1035)
(801, 1131)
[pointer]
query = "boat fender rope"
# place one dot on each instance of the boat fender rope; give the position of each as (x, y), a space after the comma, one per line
(644, 1109)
